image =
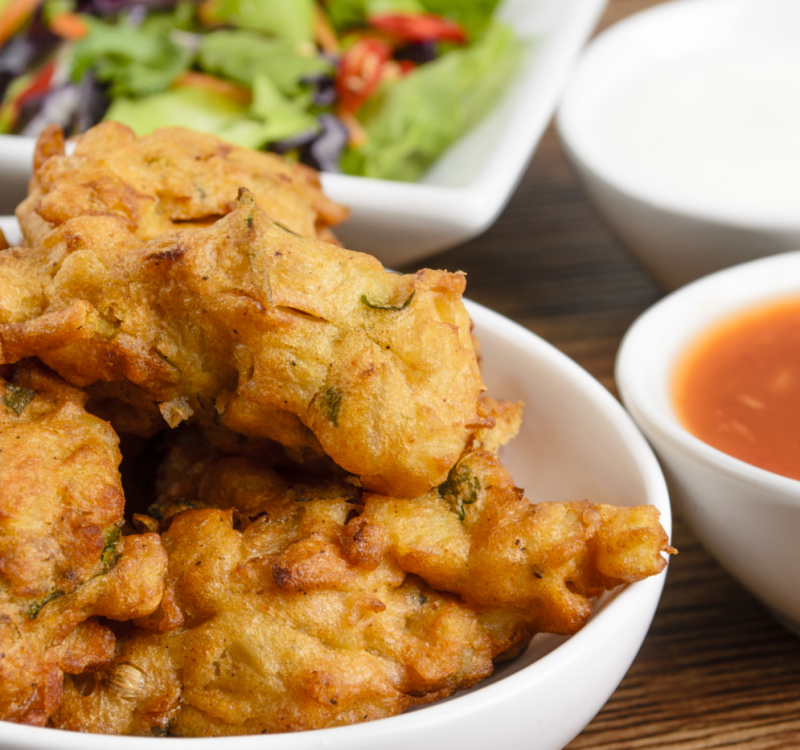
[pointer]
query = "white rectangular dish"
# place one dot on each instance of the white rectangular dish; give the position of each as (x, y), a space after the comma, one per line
(468, 187)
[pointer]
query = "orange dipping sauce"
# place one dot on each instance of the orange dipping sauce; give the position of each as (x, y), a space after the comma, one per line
(737, 387)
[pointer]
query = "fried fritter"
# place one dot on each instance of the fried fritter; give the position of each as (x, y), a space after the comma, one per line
(170, 179)
(280, 627)
(477, 536)
(62, 560)
(292, 603)
(247, 326)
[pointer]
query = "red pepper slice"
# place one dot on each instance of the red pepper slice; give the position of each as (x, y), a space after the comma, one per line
(35, 84)
(406, 66)
(38, 85)
(360, 71)
(418, 27)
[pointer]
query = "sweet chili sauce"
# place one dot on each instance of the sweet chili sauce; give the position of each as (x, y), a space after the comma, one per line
(737, 388)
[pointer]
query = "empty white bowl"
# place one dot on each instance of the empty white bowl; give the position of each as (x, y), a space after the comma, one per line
(682, 123)
(747, 517)
(467, 188)
(576, 442)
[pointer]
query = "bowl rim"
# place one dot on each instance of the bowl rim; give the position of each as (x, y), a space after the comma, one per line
(574, 127)
(635, 387)
(626, 604)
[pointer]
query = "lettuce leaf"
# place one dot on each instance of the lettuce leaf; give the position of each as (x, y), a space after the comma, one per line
(187, 107)
(410, 122)
(270, 118)
(242, 55)
(282, 117)
(473, 15)
(346, 13)
(292, 20)
(134, 60)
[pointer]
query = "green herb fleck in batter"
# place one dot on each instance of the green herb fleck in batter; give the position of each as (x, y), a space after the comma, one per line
(17, 398)
(330, 401)
(392, 308)
(461, 488)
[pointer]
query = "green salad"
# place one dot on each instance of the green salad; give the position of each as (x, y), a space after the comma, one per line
(376, 88)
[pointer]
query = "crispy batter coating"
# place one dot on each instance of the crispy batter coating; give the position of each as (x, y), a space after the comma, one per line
(303, 603)
(170, 179)
(276, 627)
(505, 419)
(477, 536)
(62, 560)
(249, 327)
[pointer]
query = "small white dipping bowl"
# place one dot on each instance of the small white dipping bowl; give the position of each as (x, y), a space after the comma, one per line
(576, 442)
(747, 517)
(682, 123)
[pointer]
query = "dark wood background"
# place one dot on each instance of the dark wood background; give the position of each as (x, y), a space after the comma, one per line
(715, 670)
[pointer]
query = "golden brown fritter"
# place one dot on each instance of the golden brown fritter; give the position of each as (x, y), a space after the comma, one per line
(249, 327)
(170, 179)
(279, 626)
(62, 560)
(301, 603)
(477, 536)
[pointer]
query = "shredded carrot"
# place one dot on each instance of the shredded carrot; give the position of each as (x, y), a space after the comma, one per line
(324, 34)
(193, 79)
(69, 26)
(14, 15)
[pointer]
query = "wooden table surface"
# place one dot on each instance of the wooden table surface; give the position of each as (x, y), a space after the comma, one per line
(715, 670)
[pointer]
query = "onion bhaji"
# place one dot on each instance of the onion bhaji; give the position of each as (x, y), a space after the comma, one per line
(334, 538)
(300, 603)
(170, 179)
(246, 326)
(62, 560)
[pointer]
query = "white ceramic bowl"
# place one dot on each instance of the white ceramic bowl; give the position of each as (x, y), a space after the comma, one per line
(10, 229)
(468, 187)
(747, 517)
(576, 442)
(692, 224)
